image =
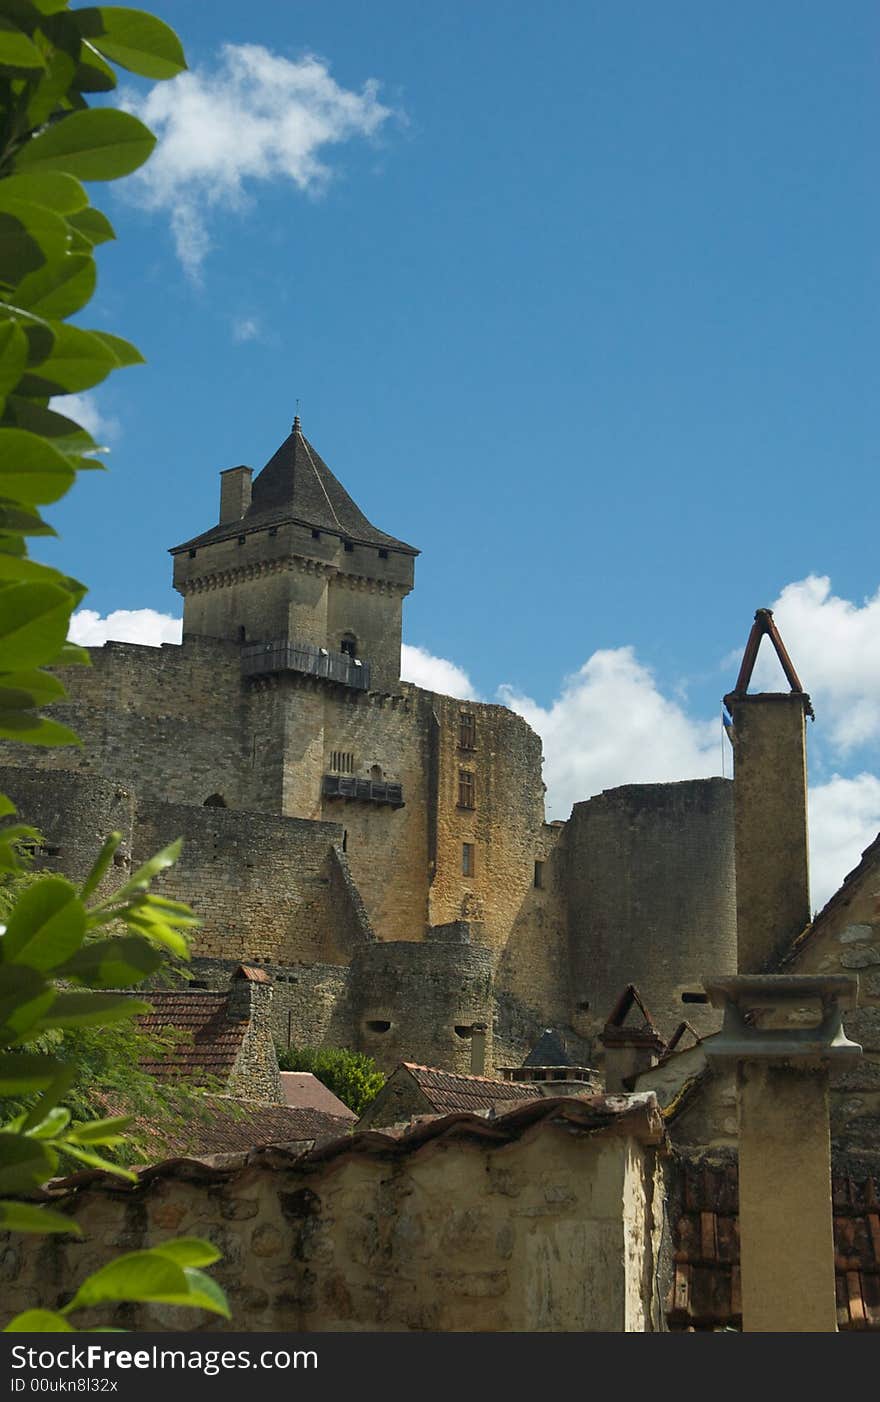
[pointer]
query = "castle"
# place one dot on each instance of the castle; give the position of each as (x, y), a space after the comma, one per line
(379, 849)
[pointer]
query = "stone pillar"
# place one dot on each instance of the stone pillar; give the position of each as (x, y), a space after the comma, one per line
(785, 1212)
(770, 823)
(235, 493)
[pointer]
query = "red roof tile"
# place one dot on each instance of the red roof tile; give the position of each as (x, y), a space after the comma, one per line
(446, 1091)
(303, 1091)
(705, 1291)
(210, 1040)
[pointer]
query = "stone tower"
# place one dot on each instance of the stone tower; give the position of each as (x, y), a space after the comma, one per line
(294, 566)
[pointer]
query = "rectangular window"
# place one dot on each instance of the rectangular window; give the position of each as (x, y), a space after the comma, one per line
(341, 762)
(467, 859)
(467, 730)
(465, 789)
(539, 876)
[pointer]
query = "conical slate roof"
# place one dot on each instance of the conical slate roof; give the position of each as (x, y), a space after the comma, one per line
(549, 1050)
(297, 485)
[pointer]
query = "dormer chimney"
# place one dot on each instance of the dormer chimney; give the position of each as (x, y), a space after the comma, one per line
(235, 493)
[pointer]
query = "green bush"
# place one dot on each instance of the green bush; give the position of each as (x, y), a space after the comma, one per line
(62, 948)
(354, 1077)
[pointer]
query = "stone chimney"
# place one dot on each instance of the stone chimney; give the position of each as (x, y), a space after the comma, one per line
(770, 807)
(235, 493)
(478, 1049)
(631, 1041)
(255, 1075)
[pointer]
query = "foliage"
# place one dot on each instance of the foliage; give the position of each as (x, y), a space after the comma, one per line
(59, 954)
(351, 1075)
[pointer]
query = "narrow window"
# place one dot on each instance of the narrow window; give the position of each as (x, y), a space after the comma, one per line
(273, 530)
(241, 540)
(539, 876)
(316, 535)
(465, 789)
(467, 730)
(242, 633)
(383, 554)
(192, 554)
(467, 859)
(349, 645)
(349, 547)
(695, 997)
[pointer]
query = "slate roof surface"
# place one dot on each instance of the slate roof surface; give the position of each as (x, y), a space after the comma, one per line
(297, 485)
(705, 1291)
(549, 1050)
(303, 1091)
(211, 1040)
(447, 1091)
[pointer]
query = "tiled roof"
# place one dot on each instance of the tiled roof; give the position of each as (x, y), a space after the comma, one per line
(868, 866)
(297, 485)
(304, 1091)
(211, 1040)
(235, 1126)
(447, 1091)
(705, 1291)
(636, 1115)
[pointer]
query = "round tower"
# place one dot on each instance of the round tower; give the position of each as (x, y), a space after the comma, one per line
(651, 900)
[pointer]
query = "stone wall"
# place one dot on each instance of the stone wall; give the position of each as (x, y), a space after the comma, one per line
(555, 1230)
(651, 898)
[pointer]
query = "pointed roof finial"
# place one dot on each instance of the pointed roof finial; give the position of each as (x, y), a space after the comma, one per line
(764, 626)
(297, 427)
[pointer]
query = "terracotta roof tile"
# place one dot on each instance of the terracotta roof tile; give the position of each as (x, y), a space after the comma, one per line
(303, 1091)
(705, 1290)
(446, 1091)
(211, 1040)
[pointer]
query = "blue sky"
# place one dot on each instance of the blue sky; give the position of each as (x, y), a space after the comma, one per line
(581, 300)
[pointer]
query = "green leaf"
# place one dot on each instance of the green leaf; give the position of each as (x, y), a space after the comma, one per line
(90, 1009)
(59, 289)
(13, 355)
(93, 74)
(51, 1125)
(135, 40)
(31, 469)
(189, 1251)
(20, 521)
(24, 998)
(140, 879)
(77, 360)
(50, 1097)
(24, 1162)
(52, 188)
(124, 351)
(67, 435)
(93, 1160)
(100, 867)
(98, 144)
(25, 1217)
(7, 807)
(11, 837)
(39, 1321)
(41, 687)
(30, 729)
(149, 1276)
(156, 930)
(71, 655)
(101, 1132)
(43, 226)
(17, 50)
(93, 224)
(34, 619)
(47, 924)
(50, 7)
(22, 1073)
(112, 963)
(20, 252)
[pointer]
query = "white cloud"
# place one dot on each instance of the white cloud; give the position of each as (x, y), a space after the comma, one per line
(835, 647)
(612, 725)
(435, 673)
(83, 409)
(246, 328)
(256, 116)
(89, 629)
(844, 820)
